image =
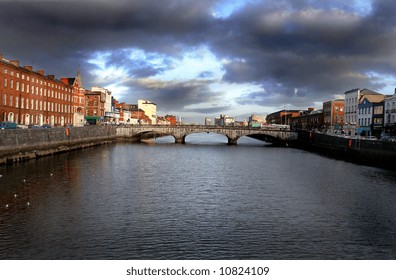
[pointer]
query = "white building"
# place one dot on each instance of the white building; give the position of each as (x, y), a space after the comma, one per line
(257, 119)
(108, 103)
(390, 112)
(224, 121)
(352, 98)
(149, 108)
(351, 105)
(109, 110)
(128, 117)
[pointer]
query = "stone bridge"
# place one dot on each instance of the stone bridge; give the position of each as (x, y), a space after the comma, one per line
(233, 133)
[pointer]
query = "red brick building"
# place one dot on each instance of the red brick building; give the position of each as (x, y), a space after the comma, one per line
(140, 116)
(333, 113)
(282, 117)
(31, 97)
(94, 106)
(171, 119)
(78, 98)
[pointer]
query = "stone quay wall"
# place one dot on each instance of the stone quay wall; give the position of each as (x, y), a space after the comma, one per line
(358, 150)
(18, 145)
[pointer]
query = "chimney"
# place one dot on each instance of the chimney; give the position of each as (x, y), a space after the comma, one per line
(41, 72)
(52, 77)
(30, 68)
(1, 56)
(15, 62)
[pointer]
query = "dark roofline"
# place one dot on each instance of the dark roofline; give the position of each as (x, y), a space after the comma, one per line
(369, 91)
(352, 90)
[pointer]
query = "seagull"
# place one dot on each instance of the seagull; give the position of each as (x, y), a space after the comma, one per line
(6, 205)
(15, 195)
(52, 174)
(28, 203)
(24, 180)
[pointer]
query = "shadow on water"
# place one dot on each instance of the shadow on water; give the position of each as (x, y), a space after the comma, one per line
(211, 139)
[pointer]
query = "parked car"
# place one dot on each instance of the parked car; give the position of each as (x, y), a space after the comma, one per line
(33, 126)
(8, 125)
(46, 126)
(388, 138)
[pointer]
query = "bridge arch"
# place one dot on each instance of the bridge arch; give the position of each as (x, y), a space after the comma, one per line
(203, 133)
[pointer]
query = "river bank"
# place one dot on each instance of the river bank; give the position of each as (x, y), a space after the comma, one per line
(18, 145)
(358, 150)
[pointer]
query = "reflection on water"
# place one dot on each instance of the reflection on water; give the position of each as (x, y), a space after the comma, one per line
(202, 200)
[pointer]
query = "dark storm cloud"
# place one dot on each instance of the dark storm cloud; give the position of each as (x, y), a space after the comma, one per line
(137, 66)
(298, 51)
(321, 52)
(58, 30)
(211, 110)
(174, 96)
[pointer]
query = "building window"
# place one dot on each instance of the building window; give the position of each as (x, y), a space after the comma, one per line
(16, 102)
(5, 82)
(10, 101)
(4, 99)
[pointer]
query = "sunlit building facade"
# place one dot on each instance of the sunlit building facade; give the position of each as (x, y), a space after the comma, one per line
(31, 97)
(78, 98)
(149, 108)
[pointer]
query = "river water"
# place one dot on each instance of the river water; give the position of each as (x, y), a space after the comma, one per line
(201, 200)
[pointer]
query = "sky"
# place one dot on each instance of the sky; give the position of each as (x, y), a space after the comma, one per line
(198, 59)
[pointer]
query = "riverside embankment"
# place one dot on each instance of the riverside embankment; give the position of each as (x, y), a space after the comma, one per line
(25, 144)
(18, 145)
(353, 149)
